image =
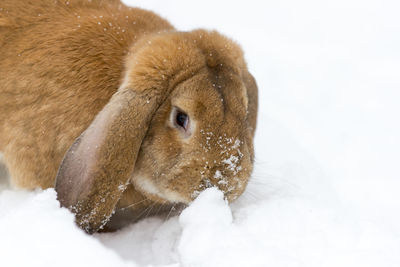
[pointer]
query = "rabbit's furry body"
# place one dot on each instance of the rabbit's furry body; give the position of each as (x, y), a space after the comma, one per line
(95, 82)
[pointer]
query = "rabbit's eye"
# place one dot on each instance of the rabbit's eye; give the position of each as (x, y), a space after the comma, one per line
(182, 119)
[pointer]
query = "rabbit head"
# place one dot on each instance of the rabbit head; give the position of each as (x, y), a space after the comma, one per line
(182, 120)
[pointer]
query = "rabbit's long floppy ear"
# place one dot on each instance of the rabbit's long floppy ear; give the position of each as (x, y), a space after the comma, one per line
(97, 167)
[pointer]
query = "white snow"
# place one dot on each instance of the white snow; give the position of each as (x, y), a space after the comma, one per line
(325, 190)
(35, 231)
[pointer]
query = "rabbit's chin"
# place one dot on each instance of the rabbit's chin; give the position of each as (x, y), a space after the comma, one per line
(147, 187)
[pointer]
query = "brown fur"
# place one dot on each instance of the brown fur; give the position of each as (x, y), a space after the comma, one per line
(61, 64)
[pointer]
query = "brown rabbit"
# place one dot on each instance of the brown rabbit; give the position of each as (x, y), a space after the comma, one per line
(115, 108)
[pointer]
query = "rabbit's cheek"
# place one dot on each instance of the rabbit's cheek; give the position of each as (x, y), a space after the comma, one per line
(149, 188)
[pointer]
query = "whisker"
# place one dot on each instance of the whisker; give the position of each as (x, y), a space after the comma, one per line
(169, 213)
(161, 206)
(140, 214)
(134, 204)
(250, 195)
(151, 207)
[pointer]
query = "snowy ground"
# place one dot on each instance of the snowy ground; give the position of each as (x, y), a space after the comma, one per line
(325, 191)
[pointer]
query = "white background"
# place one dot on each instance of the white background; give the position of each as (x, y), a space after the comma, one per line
(325, 191)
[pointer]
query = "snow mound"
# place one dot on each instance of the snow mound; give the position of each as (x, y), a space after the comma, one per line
(35, 231)
(207, 221)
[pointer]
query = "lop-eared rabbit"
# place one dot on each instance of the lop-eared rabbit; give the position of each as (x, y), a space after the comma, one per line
(118, 110)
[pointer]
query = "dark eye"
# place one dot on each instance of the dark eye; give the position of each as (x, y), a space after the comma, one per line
(182, 119)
